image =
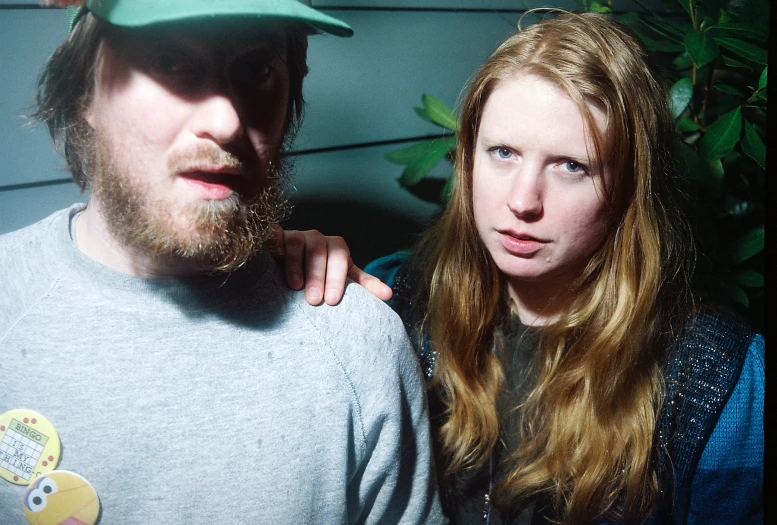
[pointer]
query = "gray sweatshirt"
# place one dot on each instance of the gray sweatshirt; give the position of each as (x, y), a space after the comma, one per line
(212, 400)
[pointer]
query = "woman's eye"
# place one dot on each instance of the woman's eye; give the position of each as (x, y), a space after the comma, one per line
(574, 167)
(502, 153)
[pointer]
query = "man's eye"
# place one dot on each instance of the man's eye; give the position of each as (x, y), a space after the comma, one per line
(171, 64)
(254, 69)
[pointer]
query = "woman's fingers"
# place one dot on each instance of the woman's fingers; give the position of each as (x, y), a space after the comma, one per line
(321, 264)
(316, 264)
(373, 285)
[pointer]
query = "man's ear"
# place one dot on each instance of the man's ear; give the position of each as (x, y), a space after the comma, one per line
(87, 113)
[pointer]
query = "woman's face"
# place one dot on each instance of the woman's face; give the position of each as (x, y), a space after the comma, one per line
(538, 200)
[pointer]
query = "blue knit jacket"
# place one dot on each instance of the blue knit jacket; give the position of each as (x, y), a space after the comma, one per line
(711, 425)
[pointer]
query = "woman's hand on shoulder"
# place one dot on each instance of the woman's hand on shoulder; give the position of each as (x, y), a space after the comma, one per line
(321, 264)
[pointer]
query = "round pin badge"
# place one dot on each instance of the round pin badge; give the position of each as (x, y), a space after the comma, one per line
(60, 497)
(29, 446)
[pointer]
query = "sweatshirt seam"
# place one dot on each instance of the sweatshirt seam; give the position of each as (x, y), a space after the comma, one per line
(35, 302)
(341, 365)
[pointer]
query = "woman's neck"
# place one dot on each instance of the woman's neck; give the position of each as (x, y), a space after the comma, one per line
(539, 303)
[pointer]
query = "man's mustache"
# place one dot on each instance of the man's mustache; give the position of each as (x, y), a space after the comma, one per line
(208, 159)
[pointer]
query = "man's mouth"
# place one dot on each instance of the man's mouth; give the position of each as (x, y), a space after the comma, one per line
(215, 184)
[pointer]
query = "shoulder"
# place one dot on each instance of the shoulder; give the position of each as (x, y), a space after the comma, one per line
(712, 346)
(361, 331)
(366, 341)
(25, 257)
(731, 466)
(715, 355)
(30, 237)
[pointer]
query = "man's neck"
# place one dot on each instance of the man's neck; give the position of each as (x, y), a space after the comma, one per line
(94, 239)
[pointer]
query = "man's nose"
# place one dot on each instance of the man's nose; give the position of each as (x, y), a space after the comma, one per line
(526, 192)
(217, 118)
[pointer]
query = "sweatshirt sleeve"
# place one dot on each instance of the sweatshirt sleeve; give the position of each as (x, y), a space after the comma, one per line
(728, 485)
(395, 480)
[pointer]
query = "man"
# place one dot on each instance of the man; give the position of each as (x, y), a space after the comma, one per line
(150, 328)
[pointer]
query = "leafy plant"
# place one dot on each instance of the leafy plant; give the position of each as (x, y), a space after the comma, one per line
(713, 53)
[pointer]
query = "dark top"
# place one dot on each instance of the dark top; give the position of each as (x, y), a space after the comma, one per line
(471, 488)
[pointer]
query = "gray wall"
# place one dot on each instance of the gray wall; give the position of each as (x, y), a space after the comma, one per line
(360, 93)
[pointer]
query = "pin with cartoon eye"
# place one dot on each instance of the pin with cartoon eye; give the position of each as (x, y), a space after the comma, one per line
(61, 498)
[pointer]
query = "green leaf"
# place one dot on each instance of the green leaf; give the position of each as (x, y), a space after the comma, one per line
(722, 136)
(731, 90)
(665, 46)
(687, 5)
(680, 95)
(735, 29)
(683, 61)
(748, 245)
(732, 62)
(439, 113)
(762, 80)
(417, 169)
(743, 49)
(701, 47)
(409, 154)
(749, 278)
(421, 112)
(412, 153)
(736, 208)
(735, 293)
(629, 18)
(687, 125)
(663, 28)
(600, 7)
(716, 168)
(707, 23)
(753, 146)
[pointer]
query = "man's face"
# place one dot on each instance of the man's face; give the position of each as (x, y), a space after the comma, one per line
(187, 128)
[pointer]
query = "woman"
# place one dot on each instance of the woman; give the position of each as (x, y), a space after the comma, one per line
(573, 376)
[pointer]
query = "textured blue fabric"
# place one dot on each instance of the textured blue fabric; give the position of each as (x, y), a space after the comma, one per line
(386, 268)
(728, 485)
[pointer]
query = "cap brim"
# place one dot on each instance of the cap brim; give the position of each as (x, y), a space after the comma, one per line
(140, 13)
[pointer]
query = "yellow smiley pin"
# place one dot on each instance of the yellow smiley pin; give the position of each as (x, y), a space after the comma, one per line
(61, 497)
(29, 446)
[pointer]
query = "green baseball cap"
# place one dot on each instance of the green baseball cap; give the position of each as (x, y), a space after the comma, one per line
(140, 13)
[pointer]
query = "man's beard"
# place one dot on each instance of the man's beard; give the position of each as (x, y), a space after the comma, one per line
(221, 234)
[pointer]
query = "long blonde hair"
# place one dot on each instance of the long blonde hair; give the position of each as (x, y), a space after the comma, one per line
(587, 427)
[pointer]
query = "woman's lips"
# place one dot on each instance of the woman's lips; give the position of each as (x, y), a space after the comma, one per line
(520, 244)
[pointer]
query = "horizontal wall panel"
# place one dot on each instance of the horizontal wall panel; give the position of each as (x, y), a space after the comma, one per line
(433, 4)
(505, 5)
(27, 38)
(355, 194)
(357, 174)
(20, 208)
(364, 88)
